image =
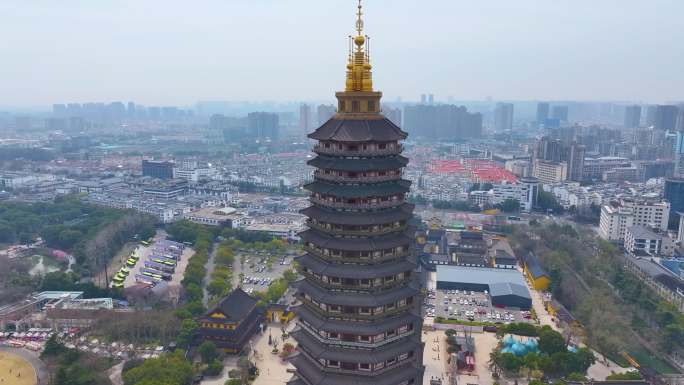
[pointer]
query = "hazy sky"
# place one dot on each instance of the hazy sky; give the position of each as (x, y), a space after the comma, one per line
(181, 51)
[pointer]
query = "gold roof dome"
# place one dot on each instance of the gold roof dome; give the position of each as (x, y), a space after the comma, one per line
(359, 40)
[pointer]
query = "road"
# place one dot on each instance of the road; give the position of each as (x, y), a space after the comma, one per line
(210, 270)
(237, 270)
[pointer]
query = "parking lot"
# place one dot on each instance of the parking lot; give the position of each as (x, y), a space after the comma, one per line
(258, 275)
(469, 306)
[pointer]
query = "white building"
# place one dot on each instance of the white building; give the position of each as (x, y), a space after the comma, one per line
(616, 219)
(614, 222)
(525, 192)
(549, 172)
(650, 213)
(481, 198)
(640, 240)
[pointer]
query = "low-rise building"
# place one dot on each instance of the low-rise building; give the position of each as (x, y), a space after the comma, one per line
(617, 217)
(549, 172)
(535, 273)
(639, 240)
(594, 168)
(216, 216)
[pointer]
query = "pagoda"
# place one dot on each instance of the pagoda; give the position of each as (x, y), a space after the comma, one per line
(359, 301)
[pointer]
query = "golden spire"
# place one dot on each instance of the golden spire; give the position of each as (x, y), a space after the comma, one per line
(359, 76)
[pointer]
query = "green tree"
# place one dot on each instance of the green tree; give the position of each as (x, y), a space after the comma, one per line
(208, 351)
(186, 333)
(550, 341)
(633, 375)
(509, 206)
(168, 369)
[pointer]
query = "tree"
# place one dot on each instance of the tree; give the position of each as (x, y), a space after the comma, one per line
(550, 341)
(509, 206)
(547, 201)
(574, 376)
(52, 348)
(187, 333)
(168, 369)
(214, 368)
(630, 375)
(208, 351)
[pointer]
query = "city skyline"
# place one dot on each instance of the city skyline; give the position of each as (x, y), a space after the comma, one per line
(166, 53)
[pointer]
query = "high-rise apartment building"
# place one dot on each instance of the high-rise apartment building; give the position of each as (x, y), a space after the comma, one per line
(324, 113)
(674, 193)
(305, 117)
(542, 113)
(442, 121)
(632, 116)
(560, 113)
(570, 155)
(503, 117)
(359, 303)
(666, 117)
(393, 114)
(263, 125)
(651, 115)
(678, 155)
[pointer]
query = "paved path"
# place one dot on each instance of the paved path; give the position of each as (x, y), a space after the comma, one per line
(237, 270)
(210, 270)
(115, 373)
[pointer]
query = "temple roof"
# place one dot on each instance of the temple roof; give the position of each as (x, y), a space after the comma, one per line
(360, 190)
(235, 307)
(363, 130)
(360, 328)
(362, 164)
(355, 299)
(359, 218)
(316, 376)
(357, 244)
(320, 350)
(354, 271)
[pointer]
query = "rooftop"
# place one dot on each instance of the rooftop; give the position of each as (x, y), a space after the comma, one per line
(479, 275)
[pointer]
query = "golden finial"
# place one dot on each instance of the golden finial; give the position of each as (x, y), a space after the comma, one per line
(358, 69)
(359, 20)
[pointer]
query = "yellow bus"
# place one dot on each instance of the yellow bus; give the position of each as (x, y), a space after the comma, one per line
(167, 263)
(147, 273)
(131, 262)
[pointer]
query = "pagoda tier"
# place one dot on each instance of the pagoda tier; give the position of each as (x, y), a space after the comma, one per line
(359, 165)
(401, 213)
(356, 134)
(358, 303)
(311, 264)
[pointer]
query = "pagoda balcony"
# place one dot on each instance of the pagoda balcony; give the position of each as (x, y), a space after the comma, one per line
(357, 372)
(355, 206)
(333, 150)
(336, 231)
(354, 317)
(369, 260)
(355, 287)
(354, 344)
(359, 179)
